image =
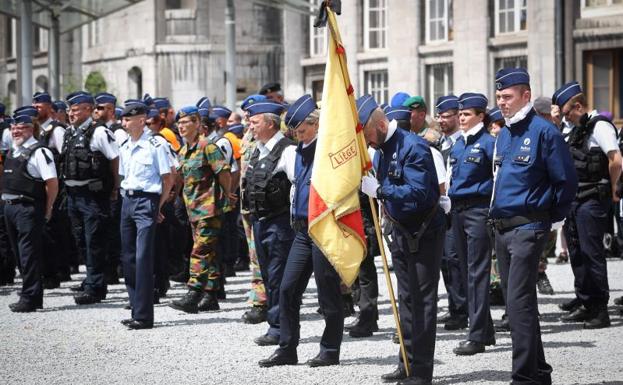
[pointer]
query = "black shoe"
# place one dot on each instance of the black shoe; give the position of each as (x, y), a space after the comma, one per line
(443, 318)
(126, 322)
(469, 348)
(139, 325)
(266, 340)
(397, 375)
(77, 288)
(543, 285)
(220, 294)
(181, 277)
(570, 305)
(320, 361)
(156, 297)
(229, 271)
(599, 320)
(363, 330)
(488, 342)
(277, 359)
(50, 283)
(241, 266)
(578, 315)
(503, 325)
(414, 381)
(112, 278)
(88, 299)
(496, 296)
(189, 303)
(208, 303)
(23, 307)
(455, 323)
(618, 301)
(255, 315)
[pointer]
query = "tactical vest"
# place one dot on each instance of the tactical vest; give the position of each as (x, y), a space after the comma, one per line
(115, 126)
(591, 164)
(267, 194)
(79, 161)
(17, 180)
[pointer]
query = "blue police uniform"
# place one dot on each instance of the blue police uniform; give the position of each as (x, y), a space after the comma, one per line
(471, 185)
(142, 165)
(534, 186)
(306, 258)
(409, 191)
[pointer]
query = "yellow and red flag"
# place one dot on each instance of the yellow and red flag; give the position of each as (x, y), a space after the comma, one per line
(335, 221)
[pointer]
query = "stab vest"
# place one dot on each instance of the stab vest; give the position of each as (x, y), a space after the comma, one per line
(267, 194)
(591, 164)
(79, 161)
(17, 180)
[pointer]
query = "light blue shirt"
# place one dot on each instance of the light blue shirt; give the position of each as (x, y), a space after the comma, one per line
(142, 163)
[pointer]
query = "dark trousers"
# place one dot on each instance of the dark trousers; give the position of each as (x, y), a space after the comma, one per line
(229, 239)
(368, 290)
(113, 257)
(92, 211)
(138, 231)
(24, 224)
(57, 241)
(304, 259)
(273, 239)
(518, 254)
(584, 231)
(418, 279)
(454, 277)
(7, 258)
(473, 246)
(166, 242)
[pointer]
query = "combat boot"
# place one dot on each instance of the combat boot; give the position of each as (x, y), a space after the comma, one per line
(208, 302)
(543, 285)
(189, 303)
(598, 319)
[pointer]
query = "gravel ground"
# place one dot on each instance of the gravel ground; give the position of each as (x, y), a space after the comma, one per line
(67, 344)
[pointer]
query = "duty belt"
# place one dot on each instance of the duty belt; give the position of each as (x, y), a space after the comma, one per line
(502, 224)
(18, 200)
(465, 203)
(139, 194)
(413, 240)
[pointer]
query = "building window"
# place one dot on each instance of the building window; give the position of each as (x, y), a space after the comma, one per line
(603, 71)
(511, 62)
(41, 83)
(375, 84)
(438, 20)
(317, 36)
(135, 83)
(601, 3)
(40, 39)
(375, 24)
(94, 33)
(316, 87)
(439, 82)
(510, 16)
(9, 38)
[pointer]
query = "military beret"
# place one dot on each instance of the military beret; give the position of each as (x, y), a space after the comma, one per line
(508, 77)
(186, 111)
(118, 112)
(79, 97)
(25, 115)
(398, 99)
(414, 102)
(445, 103)
(204, 106)
(495, 114)
(41, 97)
(265, 107)
(161, 103)
(250, 100)
(105, 98)
(365, 105)
(153, 113)
(220, 112)
(236, 129)
(473, 100)
(269, 87)
(398, 113)
(2, 109)
(148, 100)
(299, 111)
(566, 92)
(59, 105)
(134, 109)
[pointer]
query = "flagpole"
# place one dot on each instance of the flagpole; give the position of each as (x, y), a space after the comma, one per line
(390, 288)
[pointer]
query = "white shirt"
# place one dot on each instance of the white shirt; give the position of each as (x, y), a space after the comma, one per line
(288, 156)
(7, 140)
(472, 131)
(120, 136)
(450, 140)
(519, 115)
(58, 135)
(172, 156)
(604, 136)
(391, 129)
(440, 167)
(38, 166)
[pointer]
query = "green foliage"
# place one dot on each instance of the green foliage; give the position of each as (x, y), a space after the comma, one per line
(95, 83)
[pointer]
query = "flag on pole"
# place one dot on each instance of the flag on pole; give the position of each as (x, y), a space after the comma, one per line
(341, 158)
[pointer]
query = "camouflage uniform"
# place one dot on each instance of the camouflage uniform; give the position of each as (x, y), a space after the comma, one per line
(205, 202)
(257, 294)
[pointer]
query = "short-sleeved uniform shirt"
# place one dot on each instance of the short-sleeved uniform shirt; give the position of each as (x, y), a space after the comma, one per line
(199, 166)
(142, 164)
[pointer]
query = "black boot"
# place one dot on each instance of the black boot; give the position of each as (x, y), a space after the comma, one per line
(256, 315)
(208, 302)
(543, 285)
(181, 277)
(189, 303)
(598, 319)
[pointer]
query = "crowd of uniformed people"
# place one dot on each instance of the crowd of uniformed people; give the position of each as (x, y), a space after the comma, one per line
(476, 195)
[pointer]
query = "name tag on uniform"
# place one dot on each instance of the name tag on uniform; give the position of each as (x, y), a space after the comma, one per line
(473, 159)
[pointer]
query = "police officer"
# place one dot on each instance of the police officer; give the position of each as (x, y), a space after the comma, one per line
(89, 170)
(146, 170)
(60, 112)
(7, 260)
(408, 188)
(534, 186)
(267, 185)
(29, 188)
(305, 257)
(471, 184)
(595, 151)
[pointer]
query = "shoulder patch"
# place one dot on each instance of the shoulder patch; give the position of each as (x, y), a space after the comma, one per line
(154, 142)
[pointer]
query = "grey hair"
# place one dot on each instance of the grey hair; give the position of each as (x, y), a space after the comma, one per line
(313, 117)
(274, 119)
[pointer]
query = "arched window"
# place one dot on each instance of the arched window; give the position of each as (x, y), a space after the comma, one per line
(12, 92)
(41, 83)
(135, 83)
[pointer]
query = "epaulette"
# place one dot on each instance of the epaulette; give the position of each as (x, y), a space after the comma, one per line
(154, 142)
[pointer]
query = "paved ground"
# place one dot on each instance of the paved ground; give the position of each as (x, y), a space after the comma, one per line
(67, 344)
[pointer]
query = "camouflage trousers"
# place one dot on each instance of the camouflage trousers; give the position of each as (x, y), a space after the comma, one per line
(204, 266)
(257, 294)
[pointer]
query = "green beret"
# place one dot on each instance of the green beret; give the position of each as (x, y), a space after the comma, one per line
(414, 102)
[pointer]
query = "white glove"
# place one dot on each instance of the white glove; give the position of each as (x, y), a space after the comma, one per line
(444, 202)
(369, 185)
(557, 225)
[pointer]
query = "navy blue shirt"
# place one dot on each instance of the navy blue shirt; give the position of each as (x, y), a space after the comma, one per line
(302, 179)
(472, 166)
(535, 172)
(407, 177)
